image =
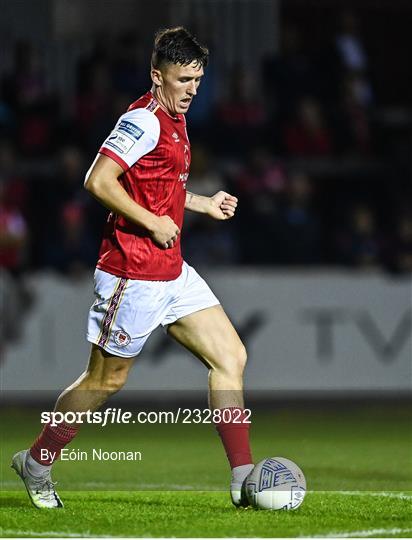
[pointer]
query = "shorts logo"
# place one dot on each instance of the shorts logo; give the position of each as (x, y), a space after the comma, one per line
(121, 338)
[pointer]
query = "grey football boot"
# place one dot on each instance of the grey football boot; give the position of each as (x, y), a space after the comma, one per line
(39, 488)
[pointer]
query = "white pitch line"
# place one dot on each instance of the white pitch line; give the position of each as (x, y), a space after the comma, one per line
(390, 494)
(63, 534)
(85, 486)
(186, 487)
(361, 534)
(50, 534)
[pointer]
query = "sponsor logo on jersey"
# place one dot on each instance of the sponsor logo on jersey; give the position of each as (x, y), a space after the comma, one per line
(131, 129)
(121, 338)
(183, 179)
(120, 142)
(175, 137)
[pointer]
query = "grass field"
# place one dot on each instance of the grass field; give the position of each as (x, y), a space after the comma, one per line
(357, 462)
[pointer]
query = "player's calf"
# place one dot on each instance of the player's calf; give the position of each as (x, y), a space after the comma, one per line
(233, 429)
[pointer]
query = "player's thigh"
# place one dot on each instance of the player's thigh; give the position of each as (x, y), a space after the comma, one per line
(104, 367)
(210, 336)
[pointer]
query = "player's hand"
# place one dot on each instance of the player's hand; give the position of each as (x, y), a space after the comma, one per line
(222, 205)
(165, 232)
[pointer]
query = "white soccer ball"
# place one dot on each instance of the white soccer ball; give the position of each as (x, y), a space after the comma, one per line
(276, 483)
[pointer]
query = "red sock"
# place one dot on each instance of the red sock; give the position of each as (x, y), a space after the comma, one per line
(52, 439)
(233, 429)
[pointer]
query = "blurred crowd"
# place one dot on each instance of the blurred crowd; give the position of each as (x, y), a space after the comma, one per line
(297, 139)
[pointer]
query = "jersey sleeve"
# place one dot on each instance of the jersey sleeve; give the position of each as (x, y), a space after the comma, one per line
(135, 134)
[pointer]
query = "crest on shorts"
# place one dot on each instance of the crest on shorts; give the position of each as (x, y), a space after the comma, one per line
(122, 338)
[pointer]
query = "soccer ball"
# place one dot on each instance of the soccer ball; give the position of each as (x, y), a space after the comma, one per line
(276, 483)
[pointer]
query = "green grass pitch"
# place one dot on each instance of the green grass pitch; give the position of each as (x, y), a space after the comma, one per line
(357, 461)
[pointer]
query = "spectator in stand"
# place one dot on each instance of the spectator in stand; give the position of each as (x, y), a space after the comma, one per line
(260, 182)
(297, 228)
(308, 135)
(52, 196)
(16, 192)
(13, 234)
(25, 91)
(360, 245)
(207, 244)
(205, 177)
(211, 245)
(93, 104)
(287, 76)
(25, 85)
(100, 53)
(260, 175)
(7, 118)
(401, 257)
(353, 56)
(72, 250)
(129, 72)
(349, 43)
(13, 255)
(241, 113)
(353, 131)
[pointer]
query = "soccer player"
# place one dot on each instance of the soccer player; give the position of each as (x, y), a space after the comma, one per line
(141, 281)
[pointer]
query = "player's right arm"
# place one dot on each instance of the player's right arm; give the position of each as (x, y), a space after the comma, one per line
(102, 182)
(135, 134)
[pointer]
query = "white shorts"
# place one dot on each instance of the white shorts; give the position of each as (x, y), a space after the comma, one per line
(127, 311)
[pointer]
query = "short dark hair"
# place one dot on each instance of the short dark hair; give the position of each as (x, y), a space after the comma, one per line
(178, 46)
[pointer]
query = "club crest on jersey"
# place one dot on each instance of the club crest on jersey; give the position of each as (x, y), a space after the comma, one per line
(121, 338)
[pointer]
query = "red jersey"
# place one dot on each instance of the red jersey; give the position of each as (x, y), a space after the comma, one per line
(153, 149)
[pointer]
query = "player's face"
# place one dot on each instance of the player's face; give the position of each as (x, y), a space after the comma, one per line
(177, 85)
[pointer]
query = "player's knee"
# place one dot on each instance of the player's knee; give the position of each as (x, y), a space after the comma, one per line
(111, 386)
(108, 381)
(235, 362)
(241, 359)
(114, 380)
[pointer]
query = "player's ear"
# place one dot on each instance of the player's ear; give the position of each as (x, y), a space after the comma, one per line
(156, 76)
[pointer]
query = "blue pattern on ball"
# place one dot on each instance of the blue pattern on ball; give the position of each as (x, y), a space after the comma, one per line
(274, 474)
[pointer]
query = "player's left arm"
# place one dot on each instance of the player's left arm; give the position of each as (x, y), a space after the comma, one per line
(222, 205)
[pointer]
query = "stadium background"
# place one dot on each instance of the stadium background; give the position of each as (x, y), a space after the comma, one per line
(305, 113)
